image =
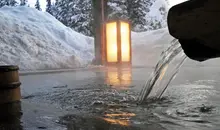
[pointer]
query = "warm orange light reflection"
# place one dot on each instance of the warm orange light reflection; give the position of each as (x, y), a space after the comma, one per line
(111, 42)
(121, 114)
(118, 77)
(125, 42)
(119, 118)
(113, 78)
(115, 121)
(163, 72)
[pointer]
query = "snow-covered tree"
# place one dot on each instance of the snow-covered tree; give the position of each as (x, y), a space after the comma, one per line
(75, 14)
(136, 14)
(83, 19)
(8, 3)
(143, 14)
(37, 5)
(63, 11)
(157, 16)
(12, 2)
(49, 7)
(23, 2)
(52, 8)
(3, 3)
(117, 9)
(136, 11)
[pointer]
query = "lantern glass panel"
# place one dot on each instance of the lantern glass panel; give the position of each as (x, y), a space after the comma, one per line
(125, 42)
(111, 42)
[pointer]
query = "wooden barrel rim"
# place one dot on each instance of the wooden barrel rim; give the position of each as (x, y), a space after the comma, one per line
(8, 68)
(10, 85)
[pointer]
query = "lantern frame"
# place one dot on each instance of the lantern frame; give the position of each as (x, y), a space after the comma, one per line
(119, 47)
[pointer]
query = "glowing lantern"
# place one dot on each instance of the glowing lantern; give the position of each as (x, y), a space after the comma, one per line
(117, 43)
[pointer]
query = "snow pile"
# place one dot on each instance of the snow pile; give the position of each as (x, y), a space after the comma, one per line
(36, 40)
(147, 46)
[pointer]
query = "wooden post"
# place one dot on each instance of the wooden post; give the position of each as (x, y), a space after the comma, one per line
(99, 15)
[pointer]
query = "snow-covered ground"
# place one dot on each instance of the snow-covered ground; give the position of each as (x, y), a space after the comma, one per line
(35, 40)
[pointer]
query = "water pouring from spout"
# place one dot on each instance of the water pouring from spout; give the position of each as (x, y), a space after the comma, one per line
(165, 71)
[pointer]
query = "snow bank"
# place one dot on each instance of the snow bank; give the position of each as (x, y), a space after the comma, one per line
(36, 40)
(147, 46)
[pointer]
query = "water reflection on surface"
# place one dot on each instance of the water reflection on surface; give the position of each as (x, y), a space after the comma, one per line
(74, 122)
(191, 102)
(118, 77)
(119, 118)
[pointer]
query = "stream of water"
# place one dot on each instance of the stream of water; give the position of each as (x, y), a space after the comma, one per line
(165, 71)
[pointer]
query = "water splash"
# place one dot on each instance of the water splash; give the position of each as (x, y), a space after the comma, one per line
(165, 71)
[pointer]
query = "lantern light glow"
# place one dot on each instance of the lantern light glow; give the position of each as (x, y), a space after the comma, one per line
(111, 41)
(125, 43)
(117, 42)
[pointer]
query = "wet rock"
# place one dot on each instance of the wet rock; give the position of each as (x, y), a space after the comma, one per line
(205, 109)
(97, 103)
(179, 113)
(76, 106)
(28, 97)
(42, 127)
(64, 86)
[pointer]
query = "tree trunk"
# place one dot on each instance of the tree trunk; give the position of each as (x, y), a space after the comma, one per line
(97, 26)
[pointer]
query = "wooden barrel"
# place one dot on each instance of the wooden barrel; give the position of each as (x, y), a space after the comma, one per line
(10, 116)
(9, 84)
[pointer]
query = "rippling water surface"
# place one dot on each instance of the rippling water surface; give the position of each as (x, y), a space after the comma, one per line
(102, 101)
